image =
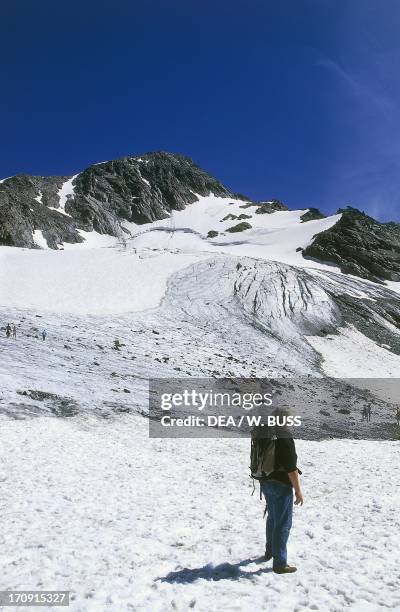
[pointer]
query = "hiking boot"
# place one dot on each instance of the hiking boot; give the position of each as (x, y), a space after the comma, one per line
(287, 569)
(268, 555)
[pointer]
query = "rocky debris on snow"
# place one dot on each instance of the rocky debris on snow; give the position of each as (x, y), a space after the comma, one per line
(270, 207)
(212, 234)
(249, 204)
(240, 227)
(58, 405)
(229, 217)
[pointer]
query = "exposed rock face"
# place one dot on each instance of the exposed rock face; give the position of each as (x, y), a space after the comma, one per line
(28, 203)
(311, 215)
(361, 246)
(270, 207)
(137, 189)
(240, 227)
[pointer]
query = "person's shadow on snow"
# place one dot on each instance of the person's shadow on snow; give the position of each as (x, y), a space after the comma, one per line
(224, 571)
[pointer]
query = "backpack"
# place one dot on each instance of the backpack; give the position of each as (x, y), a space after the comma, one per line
(262, 457)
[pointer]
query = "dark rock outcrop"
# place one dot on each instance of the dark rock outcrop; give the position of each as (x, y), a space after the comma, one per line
(360, 245)
(137, 189)
(240, 227)
(229, 217)
(311, 215)
(29, 203)
(270, 207)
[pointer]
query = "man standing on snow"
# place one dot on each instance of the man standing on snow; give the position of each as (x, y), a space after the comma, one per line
(44, 334)
(278, 474)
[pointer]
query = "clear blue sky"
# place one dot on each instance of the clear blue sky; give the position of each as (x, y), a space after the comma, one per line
(291, 99)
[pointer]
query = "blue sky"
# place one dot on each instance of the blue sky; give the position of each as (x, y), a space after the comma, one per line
(296, 100)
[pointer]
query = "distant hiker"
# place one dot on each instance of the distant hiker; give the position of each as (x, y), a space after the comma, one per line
(44, 334)
(8, 330)
(398, 416)
(274, 463)
(14, 332)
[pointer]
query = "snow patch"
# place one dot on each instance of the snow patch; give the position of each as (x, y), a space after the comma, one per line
(39, 239)
(364, 358)
(92, 240)
(60, 210)
(143, 179)
(38, 198)
(394, 286)
(66, 189)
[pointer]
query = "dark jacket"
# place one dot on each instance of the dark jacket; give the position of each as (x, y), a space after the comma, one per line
(285, 460)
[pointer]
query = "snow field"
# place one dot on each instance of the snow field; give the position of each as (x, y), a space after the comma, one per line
(131, 523)
(96, 281)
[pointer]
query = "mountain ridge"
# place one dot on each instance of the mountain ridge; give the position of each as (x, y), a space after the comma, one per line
(106, 197)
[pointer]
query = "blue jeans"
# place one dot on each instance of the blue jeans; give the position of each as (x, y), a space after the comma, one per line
(279, 499)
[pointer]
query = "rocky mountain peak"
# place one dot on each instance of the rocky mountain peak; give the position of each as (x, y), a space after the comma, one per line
(138, 189)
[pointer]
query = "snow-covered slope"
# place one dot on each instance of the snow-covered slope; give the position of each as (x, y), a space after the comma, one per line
(179, 315)
(86, 278)
(124, 522)
(131, 523)
(279, 236)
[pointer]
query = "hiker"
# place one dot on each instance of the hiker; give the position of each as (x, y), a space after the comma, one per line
(8, 330)
(398, 416)
(369, 413)
(274, 464)
(14, 332)
(44, 334)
